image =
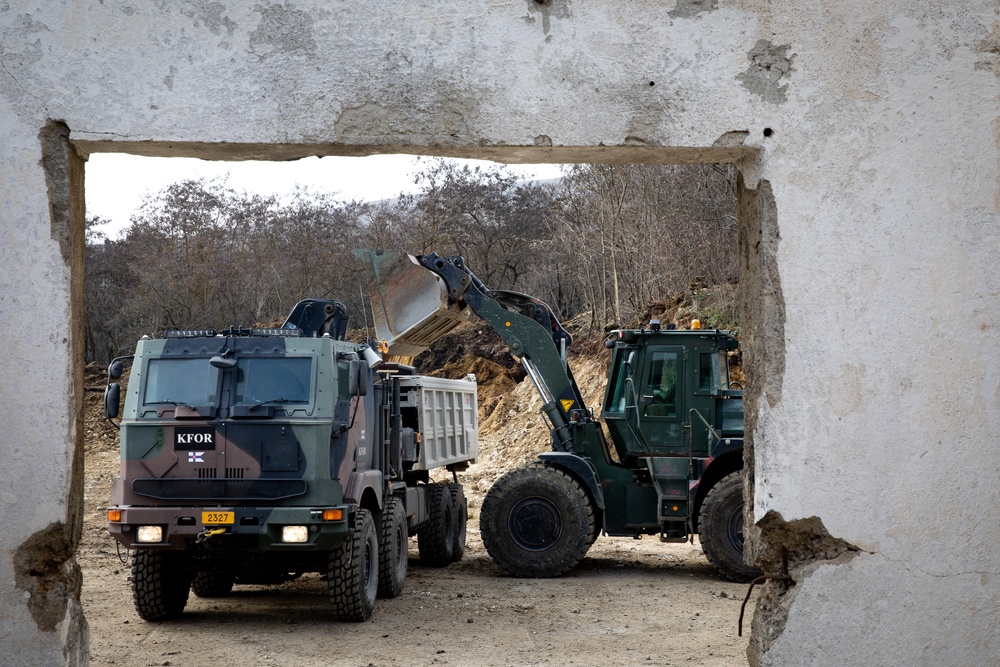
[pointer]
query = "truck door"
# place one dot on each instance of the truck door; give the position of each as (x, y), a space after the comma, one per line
(662, 403)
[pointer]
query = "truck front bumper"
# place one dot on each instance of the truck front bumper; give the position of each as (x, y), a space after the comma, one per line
(237, 528)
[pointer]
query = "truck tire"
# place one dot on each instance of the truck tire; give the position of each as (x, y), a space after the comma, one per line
(160, 584)
(212, 584)
(537, 521)
(436, 536)
(461, 506)
(392, 550)
(720, 528)
(352, 575)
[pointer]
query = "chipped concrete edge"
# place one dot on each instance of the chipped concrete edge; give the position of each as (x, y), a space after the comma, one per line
(762, 325)
(792, 549)
(44, 564)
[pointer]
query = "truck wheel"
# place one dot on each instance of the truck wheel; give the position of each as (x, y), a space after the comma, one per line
(436, 537)
(461, 506)
(160, 584)
(352, 575)
(212, 584)
(537, 521)
(720, 528)
(392, 550)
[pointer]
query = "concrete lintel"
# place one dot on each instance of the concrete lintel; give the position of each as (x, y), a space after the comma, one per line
(726, 152)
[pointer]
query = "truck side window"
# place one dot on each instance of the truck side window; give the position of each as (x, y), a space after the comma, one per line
(662, 385)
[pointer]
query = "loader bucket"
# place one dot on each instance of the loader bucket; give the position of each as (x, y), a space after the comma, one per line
(409, 303)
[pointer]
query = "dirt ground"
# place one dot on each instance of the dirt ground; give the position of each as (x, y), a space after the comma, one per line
(630, 602)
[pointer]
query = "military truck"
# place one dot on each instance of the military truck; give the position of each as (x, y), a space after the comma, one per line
(253, 455)
(666, 461)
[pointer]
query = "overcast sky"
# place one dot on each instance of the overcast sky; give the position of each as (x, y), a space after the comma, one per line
(116, 184)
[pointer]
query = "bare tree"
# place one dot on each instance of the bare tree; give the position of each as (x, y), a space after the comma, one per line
(607, 240)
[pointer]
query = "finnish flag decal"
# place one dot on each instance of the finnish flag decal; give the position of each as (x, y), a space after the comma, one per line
(196, 457)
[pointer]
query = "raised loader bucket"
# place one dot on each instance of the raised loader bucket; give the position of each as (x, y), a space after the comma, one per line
(409, 303)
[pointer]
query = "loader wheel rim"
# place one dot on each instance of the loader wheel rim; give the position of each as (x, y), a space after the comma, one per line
(534, 524)
(734, 528)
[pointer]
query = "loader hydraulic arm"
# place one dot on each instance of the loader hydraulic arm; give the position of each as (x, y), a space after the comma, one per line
(532, 333)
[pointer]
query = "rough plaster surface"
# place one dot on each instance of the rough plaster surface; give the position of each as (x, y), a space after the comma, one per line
(867, 135)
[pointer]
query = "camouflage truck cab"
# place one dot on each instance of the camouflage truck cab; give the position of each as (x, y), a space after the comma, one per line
(253, 456)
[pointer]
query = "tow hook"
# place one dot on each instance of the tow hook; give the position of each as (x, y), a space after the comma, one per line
(207, 533)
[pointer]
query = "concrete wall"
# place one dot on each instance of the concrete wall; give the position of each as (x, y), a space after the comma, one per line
(867, 136)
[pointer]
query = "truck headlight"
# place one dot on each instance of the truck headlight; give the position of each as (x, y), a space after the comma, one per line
(294, 533)
(149, 534)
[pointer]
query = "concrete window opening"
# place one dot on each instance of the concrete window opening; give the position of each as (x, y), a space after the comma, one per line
(636, 231)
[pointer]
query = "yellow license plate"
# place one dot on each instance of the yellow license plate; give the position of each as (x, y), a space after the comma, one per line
(216, 518)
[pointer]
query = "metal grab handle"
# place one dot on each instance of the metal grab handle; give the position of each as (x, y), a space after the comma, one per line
(694, 411)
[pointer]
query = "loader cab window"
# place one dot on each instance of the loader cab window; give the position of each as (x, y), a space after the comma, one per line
(705, 372)
(278, 380)
(660, 393)
(616, 398)
(189, 382)
(713, 372)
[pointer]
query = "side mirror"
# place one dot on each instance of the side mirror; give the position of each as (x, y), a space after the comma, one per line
(115, 369)
(372, 357)
(222, 362)
(112, 398)
(357, 383)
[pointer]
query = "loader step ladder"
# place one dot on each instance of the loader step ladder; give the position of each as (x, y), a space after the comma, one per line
(670, 475)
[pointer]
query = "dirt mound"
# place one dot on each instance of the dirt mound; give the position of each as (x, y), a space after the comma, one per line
(513, 432)
(470, 340)
(98, 432)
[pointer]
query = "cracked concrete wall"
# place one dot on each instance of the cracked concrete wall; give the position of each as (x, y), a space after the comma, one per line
(867, 135)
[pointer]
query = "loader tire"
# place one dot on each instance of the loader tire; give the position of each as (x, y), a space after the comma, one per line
(436, 536)
(212, 584)
(720, 528)
(160, 584)
(392, 550)
(461, 506)
(537, 521)
(352, 574)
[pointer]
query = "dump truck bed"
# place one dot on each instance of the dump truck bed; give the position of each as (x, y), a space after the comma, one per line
(447, 418)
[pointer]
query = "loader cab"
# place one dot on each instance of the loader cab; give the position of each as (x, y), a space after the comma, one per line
(664, 392)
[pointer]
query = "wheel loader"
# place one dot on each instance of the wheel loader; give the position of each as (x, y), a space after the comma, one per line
(668, 463)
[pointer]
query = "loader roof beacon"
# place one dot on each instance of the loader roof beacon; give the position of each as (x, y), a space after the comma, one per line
(252, 456)
(673, 464)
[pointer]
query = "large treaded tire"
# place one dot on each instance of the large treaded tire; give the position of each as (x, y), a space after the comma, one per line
(352, 575)
(212, 584)
(537, 521)
(436, 536)
(160, 584)
(392, 550)
(461, 506)
(720, 528)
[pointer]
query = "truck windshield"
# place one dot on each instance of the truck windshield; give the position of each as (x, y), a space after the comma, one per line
(190, 382)
(273, 380)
